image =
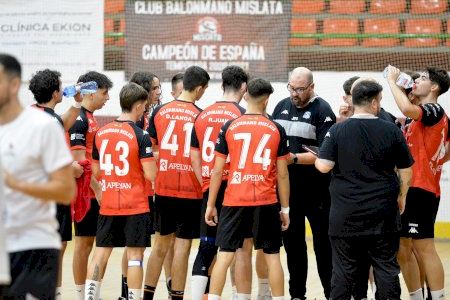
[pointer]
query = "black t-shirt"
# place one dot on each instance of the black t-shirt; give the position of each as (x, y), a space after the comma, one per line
(364, 184)
(306, 126)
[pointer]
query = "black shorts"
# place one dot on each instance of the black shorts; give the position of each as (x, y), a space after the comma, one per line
(207, 231)
(263, 221)
(179, 216)
(88, 226)
(64, 217)
(121, 231)
(32, 272)
(420, 214)
(151, 205)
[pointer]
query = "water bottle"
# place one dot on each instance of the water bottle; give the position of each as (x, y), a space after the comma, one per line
(82, 88)
(404, 80)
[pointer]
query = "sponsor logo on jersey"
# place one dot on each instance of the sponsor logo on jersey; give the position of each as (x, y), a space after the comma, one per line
(205, 171)
(294, 119)
(307, 115)
(76, 136)
(236, 178)
(163, 164)
(328, 119)
(285, 112)
(328, 134)
(148, 150)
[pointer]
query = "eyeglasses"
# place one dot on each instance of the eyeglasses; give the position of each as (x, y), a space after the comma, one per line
(298, 90)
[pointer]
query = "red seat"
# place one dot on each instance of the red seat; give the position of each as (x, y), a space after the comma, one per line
(422, 26)
(114, 6)
(109, 25)
(381, 26)
(331, 26)
(347, 7)
(387, 6)
(428, 6)
(307, 6)
(448, 30)
(303, 26)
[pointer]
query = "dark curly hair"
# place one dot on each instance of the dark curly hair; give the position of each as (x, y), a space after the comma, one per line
(43, 84)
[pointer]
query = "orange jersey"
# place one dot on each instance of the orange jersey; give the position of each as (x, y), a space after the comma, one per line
(206, 130)
(119, 149)
(170, 128)
(254, 144)
(427, 138)
(82, 135)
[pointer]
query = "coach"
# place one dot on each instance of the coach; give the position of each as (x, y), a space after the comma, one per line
(367, 194)
(306, 118)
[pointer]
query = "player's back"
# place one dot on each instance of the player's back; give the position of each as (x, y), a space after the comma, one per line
(170, 128)
(206, 130)
(254, 143)
(119, 147)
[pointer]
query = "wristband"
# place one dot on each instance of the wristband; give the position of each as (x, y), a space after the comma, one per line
(285, 210)
(76, 104)
(295, 159)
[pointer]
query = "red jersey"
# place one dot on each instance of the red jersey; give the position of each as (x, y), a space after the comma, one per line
(143, 123)
(170, 128)
(119, 148)
(82, 134)
(206, 130)
(254, 144)
(427, 138)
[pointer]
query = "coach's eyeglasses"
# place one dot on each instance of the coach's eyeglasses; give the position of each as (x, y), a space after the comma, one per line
(298, 90)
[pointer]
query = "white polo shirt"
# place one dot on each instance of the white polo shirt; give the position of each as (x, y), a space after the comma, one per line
(4, 260)
(32, 146)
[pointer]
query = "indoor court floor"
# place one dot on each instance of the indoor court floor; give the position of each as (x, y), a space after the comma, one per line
(111, 283)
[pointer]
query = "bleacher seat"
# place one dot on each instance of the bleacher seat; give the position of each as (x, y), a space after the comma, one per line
(303, 26)
(387, 6)
(347, 7)
(428, 6)
(308, 6)
(381, 26)
(114, 6)
(422, 26)
(340, 26)
(448, 30)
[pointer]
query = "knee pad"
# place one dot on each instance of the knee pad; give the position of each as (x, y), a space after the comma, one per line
(206, 252)
(134, 263)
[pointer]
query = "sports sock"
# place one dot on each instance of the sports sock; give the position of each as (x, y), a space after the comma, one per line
(58, 294)
(79, 292)
(213, 297)
(263, 287)
(124, 291)
(198, 286)
(149, 292)
(438, 295)
(417, 295)
(244, 296)
(91, 289)
(134, 294)
(278, 298)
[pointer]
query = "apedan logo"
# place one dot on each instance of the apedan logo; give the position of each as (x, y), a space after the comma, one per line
(208, 29)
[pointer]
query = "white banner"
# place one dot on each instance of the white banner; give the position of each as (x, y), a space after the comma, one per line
(62, 35)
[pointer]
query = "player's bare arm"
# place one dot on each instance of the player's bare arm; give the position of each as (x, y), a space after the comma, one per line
(406, 107)
(71, 115)
(196, 161)
(323, 165)
(59, 188)
(283, 192)
(214, 185)
(149, 168)
(404, 176)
